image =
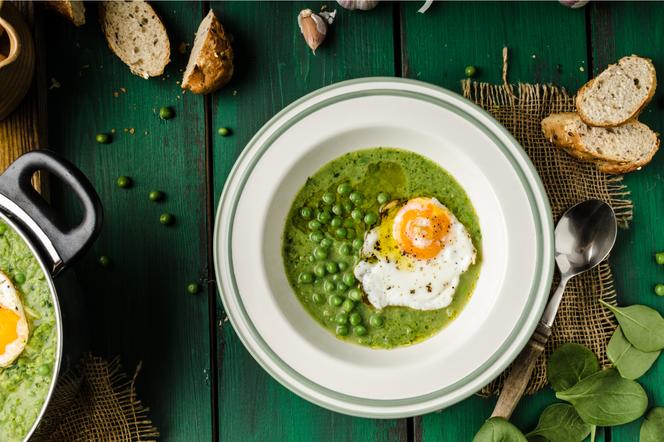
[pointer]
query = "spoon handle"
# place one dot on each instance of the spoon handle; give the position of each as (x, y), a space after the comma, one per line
(522, 369)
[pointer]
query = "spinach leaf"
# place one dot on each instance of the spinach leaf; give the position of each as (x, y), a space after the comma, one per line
(606, 399)
(641, 325)
(631, 362)
(569, 364)
(497, 429)
(652, 428)
(560, 423)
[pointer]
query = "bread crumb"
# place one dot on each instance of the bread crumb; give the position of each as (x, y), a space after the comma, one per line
(123, 90)
(116, 94)
(582, 69)
(113, 130)
(534, 56)
(177, 82)
(234, 93)
(55, 84)
(146, 132)
(126, 130)
(132, 131)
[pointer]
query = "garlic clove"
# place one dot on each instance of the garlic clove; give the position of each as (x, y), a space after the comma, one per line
(362, 5)
(313, 28)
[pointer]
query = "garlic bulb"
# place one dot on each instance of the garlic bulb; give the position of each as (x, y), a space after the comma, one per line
(362, 5)
(314, 26)
(574, 3)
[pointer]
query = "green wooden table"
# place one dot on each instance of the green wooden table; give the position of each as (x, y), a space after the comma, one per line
(197, 378)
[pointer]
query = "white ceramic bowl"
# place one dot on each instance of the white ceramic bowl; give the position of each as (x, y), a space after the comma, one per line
(514, 216)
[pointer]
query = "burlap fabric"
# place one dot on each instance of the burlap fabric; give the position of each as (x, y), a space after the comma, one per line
(96, 403)
(521, 108)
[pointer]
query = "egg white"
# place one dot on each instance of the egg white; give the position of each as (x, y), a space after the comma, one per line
(9, 299)
(423, 284)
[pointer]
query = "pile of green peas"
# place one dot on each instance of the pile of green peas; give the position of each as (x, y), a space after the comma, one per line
(659, 288)
(336, 225)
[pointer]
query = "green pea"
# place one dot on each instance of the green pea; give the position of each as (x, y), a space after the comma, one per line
(342, 330)
(166, 113)
(320, 253)
(316, 236)
(348, 279)
(305, 213)
(102, 138)
(659, 289)
(355, 294)
(348, 206)
(335, 300)
(345, 249)
(355, 318)
(338, 209)
(341, 287)
(659, 258)
(166, 219)
(355, 197)
(376, 321)
(341, 318)
(314, 225)
(193, 288)
(351, 233)
(319, 270)
(155, 196)
(336, 222)
(328, 198)
(360, 330)
(370, 218)
(3, 229)
(382, 198)
(349, 223)
(44, 370)
(344, 189)
(318, 298)
(470, 71)
(348, 305)
(310, 258)
(336, 277)
(357, 243)
(324, 217)
(341, 232)
(343, 265)
(306, 278)
(326, 243)
(331, 267)
(19, 278)
(104, 261)
(329, 286)
(224, 131)
(356, 214)
(123, 182)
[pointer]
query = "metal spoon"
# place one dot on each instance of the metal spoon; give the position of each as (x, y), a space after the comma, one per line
(584, 237)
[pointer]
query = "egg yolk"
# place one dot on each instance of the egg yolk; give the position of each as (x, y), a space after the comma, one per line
(420, 228)
(8, 323)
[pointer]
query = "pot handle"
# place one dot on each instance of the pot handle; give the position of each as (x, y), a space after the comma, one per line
(61, 243)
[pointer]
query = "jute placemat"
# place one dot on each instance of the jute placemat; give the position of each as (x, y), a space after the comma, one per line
(96, 403)
(521, 108)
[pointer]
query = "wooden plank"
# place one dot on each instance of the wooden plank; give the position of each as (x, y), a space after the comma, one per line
(273, 68)
(436, 47)
(139, 308)
(617, 30)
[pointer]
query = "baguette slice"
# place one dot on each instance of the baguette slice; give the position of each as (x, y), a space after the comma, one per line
(72, 10)
(210, 64)
(618, 94)
(136, 35)
(618, 149)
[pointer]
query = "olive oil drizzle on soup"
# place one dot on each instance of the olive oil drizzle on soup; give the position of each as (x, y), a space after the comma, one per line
(324, 233)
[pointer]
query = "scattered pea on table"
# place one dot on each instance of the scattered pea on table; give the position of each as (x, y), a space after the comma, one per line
(102, 138)
(344, 189)
(659, 289)
(124, 182)
(155, 196)
(19, 278)
(104, 261)
(659, 258)
(224, 131)
(166, 113)
(193, 288)
(166, 219)
(470, 71)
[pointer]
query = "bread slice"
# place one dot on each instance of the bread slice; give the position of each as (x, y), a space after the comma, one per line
(136, 35)
(72, 10)
(210, 64)
(618, 94)
(617, 149)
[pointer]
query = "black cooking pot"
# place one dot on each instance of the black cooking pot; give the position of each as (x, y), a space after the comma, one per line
(55, 246)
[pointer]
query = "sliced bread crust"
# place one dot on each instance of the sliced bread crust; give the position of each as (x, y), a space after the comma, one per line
(614, 150)
(137, 36)
(619, 93)
(210, 64)
(72, 10)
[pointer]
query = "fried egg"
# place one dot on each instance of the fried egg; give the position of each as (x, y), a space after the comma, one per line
(13, 325)
(415, 256)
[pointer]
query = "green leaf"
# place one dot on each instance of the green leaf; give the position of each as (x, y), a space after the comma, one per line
(497, 429)
(569, 364)
(606, 399)
(652, 428)
(560, 423)
(631, 362)
(641, 325)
